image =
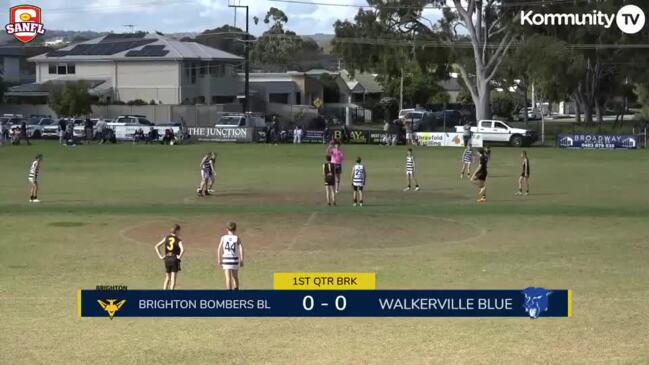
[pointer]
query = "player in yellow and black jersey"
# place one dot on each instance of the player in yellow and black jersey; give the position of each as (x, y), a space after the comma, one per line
(173, 251)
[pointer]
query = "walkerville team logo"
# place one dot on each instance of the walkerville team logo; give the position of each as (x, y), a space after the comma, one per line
(25, 23)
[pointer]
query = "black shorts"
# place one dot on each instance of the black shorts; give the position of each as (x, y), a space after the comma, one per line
(525, 175)
(330, 180)
(172, 264)
(357, 188)
(481, 177)
(338, 168)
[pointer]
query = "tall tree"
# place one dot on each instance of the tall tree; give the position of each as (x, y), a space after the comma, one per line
(474, 35)
(71, 99)
(226, 38)
(277, 47)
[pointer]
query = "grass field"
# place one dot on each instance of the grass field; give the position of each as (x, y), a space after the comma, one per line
(104, 207)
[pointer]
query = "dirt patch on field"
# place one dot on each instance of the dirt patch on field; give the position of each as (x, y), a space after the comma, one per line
(259, 198)
(314, 231)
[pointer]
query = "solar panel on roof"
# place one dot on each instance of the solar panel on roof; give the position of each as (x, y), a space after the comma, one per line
(148, 51)
(103, 48)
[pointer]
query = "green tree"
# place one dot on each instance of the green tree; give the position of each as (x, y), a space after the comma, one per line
(276, 48)
(459, 39)
(226, 38)
(71, 99)
(601, 61)
(419, 88)
(504, 104)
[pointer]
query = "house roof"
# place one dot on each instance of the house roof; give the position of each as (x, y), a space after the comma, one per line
(37, 89)
(135, 46)
(362, 82)
(22, 51)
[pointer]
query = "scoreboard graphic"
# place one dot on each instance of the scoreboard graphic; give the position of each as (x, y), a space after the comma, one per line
(326, 295)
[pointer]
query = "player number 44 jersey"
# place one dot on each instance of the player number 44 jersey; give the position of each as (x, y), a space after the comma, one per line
(230, 249)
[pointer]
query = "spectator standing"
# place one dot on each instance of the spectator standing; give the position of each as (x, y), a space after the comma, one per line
(4, 132)
(23, 133)
(101, 126)
(69, 132)
(297, 134)
(386, 133)
(466, 135)
(62, 128)
(345, 134)
(408, 126)
(87, 128)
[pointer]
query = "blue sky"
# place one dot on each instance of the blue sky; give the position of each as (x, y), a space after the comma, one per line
(170, 16)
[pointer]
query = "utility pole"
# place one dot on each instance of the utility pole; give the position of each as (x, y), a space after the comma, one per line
(247, 57)
(130, 26)
(401, 91)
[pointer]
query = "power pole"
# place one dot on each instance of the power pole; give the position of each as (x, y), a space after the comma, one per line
(130, 26)
(247, 57)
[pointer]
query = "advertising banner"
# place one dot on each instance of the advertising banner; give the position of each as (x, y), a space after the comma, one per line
(596, 141)
(223, 134)
(355, 136)
(441, 139)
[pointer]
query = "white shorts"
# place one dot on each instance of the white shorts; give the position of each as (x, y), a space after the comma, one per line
(230, 266)
(410, 173)
(408, 136)
(32, 180)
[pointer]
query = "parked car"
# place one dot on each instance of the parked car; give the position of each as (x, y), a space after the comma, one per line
(240, 120)
(532, 113)
(125, 126)
(496, 131)
(16, 122)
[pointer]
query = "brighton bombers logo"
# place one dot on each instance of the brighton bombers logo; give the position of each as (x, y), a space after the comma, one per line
(25, 23)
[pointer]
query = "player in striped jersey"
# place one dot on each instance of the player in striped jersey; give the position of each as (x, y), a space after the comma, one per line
(467, 159)
(207, 174)
(230, 256)
(359, 176)
(33, 178)
(410, 171)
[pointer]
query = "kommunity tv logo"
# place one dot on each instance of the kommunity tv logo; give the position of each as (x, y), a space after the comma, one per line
(630, 19)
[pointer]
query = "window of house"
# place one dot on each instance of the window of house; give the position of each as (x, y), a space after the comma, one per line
(52, 69)
(72, 69)
(62, 69)
(278, 98)
(203, 68)
(223, 99)
(193, 73)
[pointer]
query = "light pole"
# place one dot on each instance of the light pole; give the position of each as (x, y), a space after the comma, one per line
(247, 59)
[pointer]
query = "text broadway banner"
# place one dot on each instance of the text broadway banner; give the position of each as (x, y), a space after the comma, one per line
(530, 302)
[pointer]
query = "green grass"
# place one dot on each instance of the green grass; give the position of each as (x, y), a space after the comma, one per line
(104, 207)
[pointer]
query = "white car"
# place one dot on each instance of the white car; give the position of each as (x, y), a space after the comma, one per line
(497, 131)
(239, 120)
(125, 126)
(532, 113)
(34, 126)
